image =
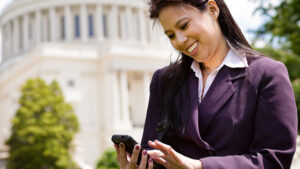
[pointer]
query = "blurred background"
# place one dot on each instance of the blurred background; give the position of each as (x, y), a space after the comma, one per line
(75, 72)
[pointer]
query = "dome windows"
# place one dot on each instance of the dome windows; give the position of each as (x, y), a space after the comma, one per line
(75, 22)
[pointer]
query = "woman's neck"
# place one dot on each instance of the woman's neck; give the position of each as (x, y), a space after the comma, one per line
(217, 58)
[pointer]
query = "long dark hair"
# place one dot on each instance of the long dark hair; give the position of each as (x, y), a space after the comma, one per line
(177, 72)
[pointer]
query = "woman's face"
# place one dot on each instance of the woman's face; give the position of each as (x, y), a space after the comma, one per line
(193, 32)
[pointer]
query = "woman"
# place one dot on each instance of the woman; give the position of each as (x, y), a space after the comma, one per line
(223, 105)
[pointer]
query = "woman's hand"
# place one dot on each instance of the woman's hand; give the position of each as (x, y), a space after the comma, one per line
(126, 162)
(169, 158)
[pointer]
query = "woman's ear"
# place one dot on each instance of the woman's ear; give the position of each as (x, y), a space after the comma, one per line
(213, 9)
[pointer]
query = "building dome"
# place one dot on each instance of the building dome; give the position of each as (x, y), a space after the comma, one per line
(28, 23)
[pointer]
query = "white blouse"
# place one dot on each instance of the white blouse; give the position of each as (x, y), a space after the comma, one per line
(231, 60)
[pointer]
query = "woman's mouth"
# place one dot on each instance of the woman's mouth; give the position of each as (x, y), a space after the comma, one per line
(193, 48)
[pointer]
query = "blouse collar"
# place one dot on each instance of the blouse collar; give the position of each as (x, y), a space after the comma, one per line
(231, 60)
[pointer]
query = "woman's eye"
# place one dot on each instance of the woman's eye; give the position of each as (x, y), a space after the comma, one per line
(184, 26)
(171, 36)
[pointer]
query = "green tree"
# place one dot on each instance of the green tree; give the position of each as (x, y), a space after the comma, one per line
(108, 160)
(283, 23)
(42, 129)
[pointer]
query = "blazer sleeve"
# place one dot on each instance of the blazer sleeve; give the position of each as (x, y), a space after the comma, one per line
(153, 111)
(275, 132)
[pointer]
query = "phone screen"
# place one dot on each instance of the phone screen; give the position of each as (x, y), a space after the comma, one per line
(125, 139)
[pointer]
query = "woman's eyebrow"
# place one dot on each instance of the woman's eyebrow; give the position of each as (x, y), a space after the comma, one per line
(177, 23)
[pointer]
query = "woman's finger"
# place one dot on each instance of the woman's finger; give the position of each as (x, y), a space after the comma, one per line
(156, 146)
(118, 151)
(174, 154)
(156, 153)
(123, 156)
(152, 144)
(134, 156)
(160, 161)
(160, 144)
(143, 162)
(163, 147)
(150, 163)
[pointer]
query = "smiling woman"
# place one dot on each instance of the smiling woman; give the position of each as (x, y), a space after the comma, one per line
(187, 33)
(220, 105)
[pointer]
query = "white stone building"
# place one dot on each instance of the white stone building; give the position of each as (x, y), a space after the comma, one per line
(102, 52)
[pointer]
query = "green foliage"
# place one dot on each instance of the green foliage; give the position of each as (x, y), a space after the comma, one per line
(108, 160)
(42, 129)
(292, 62)
(296, 86)
(284, 23)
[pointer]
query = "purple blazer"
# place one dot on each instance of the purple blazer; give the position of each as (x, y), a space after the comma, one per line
(247, 119)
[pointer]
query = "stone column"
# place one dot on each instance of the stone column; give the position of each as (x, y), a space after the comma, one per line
(3, 31)
(53, 27)
(38, 22)
(113, 23)
(147, 81)
(31, 31)
(125, 116)
(44, 34)
(123, 26)
(16, 35)
(99, 23)
(25, 31)
(114, 97)
(142, 26)
(68, 26)
(83, 23)
(8, 39)
(129, 23)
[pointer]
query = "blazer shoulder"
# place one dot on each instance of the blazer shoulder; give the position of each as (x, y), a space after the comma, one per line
(265, 69)
(266, 66)
(157, 78)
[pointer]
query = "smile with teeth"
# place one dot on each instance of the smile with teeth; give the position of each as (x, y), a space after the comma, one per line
(190, 49)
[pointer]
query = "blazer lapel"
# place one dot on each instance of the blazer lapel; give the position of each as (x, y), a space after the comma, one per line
(186, 101)
(218, 94)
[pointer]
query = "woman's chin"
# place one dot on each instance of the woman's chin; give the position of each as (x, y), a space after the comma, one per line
(198, 59)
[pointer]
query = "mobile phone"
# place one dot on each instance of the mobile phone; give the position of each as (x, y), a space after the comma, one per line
(129, 143)
(125, 139)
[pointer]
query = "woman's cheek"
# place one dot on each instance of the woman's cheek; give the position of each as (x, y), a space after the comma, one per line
(172, 43)
(175, 46)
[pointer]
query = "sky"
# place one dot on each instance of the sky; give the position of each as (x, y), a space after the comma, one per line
(242, 11)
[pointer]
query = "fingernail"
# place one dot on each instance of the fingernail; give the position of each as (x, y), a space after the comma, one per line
(150, 160)
(121, 145)
(137, 147)
(144, 152)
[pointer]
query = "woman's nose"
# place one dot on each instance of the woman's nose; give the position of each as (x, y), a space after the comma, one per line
(181, 39)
